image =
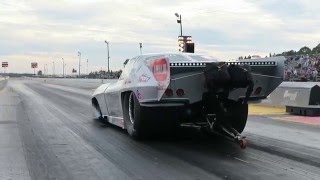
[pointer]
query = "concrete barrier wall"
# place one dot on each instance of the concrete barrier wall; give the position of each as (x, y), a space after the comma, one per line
(291, 93)
(3, 82)
(76, 82)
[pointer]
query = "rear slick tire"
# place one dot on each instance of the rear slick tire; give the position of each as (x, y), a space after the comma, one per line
(133, 117)
(237, 114)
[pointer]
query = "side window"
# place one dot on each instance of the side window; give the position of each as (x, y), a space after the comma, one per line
(127, 69)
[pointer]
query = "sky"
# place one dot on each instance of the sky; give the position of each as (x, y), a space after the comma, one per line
(45, 31)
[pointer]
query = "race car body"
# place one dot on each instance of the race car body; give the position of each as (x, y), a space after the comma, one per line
(177, 89)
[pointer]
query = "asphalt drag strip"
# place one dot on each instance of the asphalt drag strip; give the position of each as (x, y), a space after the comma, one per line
(62, 141)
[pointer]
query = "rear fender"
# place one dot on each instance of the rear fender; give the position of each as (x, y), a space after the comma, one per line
(160, 73)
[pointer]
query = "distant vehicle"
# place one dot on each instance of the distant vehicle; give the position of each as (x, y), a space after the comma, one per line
(160, 92)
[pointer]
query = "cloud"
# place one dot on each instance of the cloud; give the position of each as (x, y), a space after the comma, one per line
(44, 30)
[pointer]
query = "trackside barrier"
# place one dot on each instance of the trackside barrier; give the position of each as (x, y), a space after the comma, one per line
(3, 82)
(77, 82)
(301, 98)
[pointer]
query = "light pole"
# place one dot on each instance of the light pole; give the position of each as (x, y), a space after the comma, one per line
(140, 48)
(108, 54)
(179, 21)
(53, 68)
(87, 66)
(62, 67)
(79, 54)
(45, 69)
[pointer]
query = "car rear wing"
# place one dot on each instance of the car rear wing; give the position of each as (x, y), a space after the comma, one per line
(267, 74)
(273, 66)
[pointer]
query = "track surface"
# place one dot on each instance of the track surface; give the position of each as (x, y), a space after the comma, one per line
(47, 132)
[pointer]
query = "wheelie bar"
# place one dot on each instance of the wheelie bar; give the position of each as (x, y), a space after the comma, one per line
(236, 136)
(229, 133)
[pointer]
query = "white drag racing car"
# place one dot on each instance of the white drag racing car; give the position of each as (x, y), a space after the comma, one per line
(160, 92)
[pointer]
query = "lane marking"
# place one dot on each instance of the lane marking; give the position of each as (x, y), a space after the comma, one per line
(241, 160)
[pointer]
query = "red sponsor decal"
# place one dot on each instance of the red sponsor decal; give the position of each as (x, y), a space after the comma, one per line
(161, 72)
(160, 69)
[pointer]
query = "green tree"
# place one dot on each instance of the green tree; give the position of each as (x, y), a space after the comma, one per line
(316, 50)
(304, 50)
(289, 53)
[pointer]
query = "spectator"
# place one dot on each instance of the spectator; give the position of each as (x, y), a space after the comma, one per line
(302, 68)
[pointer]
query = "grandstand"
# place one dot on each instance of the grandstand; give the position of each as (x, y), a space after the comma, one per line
(302, 68)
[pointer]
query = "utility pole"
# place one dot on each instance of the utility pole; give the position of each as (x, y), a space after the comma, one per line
(108, 55)
(65, 68)
(45, 69)
(53, 68)
(62, 67)
(79, 54)
(87, 67)
(140, 48)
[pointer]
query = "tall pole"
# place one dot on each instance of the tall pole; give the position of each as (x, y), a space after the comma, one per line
(87, 67)
(79, 54)
(44, 69)
(62, 67)
(179, 21)
(140, 44)
(65, 68)
(108, 55)
(53, 68)
(180, 26)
